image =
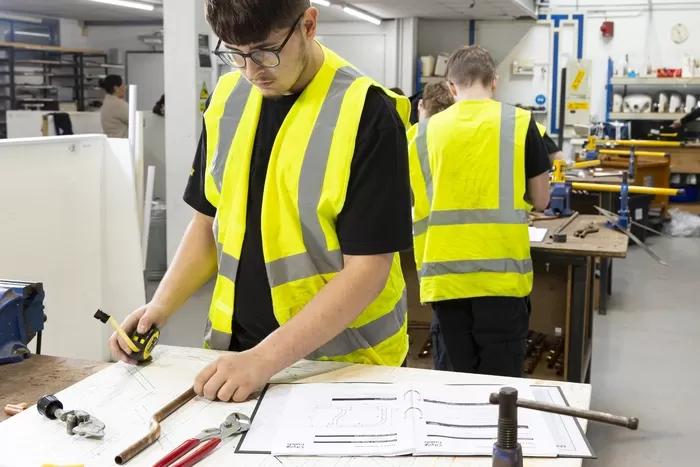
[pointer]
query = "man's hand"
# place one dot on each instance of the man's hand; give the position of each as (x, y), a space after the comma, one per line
(676, 124)
(234, 377)
(141, 320)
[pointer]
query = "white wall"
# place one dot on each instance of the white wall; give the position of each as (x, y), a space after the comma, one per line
(183, 20)
(104, 38)
(645, 37)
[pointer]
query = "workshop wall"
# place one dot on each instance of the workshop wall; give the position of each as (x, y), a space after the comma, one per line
(643, 36)
(120, 38)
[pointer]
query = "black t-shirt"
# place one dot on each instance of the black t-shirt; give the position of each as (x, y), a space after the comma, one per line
(376, 217)
(549, 143)
(536, 152)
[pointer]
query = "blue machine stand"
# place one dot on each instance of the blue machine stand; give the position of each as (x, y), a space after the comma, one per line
(21, 319)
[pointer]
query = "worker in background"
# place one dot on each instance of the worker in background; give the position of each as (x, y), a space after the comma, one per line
(114, 112)
(435, 98)
(302, 202)
(692, 116)
(474, 169)
(555, 153)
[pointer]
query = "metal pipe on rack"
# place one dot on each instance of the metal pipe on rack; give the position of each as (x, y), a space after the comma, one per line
(641, 142)
(622, 152)
(645, 190)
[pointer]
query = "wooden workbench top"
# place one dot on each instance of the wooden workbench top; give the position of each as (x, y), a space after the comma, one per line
(39, 375)
(605, 243)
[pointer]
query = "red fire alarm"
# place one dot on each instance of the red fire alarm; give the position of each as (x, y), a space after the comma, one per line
(608, 29)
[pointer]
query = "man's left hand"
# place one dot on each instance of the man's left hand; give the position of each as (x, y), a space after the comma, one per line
(233, 377)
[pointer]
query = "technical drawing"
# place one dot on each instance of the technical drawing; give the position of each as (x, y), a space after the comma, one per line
(350, 416)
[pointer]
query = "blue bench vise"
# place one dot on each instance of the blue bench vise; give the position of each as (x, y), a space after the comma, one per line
(21, 319)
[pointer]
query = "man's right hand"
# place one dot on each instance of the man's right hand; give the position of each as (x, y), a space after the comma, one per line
(140, 320)
(676, 124)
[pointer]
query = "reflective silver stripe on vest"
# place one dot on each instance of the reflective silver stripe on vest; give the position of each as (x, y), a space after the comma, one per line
(505, 214)
(367, 336)
(478, 265)
(317, 259)
(233, 111)
(422, 148)
(216, 340)
(228, 265)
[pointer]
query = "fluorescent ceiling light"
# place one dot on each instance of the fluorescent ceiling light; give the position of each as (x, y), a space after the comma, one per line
(322, 2)
(34, 34)
(359, 14)
(27, 19)
(127, 4)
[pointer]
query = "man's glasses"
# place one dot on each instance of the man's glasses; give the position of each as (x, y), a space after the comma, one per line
(267, 58)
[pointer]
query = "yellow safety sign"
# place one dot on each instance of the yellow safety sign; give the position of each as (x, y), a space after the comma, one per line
(580, 105)
(577, 81)
(201, 106)
(205, 92)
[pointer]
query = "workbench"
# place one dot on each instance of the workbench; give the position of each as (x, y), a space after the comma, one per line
(563, 293)
(172, 371)
(39, 375)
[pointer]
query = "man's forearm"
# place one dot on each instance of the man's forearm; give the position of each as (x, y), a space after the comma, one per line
(329, 313)
(193, 265)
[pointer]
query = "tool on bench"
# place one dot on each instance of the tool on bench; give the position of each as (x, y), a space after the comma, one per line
(140, 344)
(154, 427)
(560, 191)
(507, 451)
(558, 235)
(21, 319)
(589, 229)
(78, 422)
(235, 424)
(592, 152)
(13, 409)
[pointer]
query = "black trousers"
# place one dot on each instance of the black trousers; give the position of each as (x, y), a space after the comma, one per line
(484, 335)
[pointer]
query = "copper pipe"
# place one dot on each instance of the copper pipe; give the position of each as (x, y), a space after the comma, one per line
(154, 428)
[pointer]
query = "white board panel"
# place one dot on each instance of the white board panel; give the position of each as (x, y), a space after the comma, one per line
(70, 222)
(365, 52)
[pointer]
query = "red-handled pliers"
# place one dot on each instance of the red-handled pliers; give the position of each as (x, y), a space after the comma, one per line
(235, 424)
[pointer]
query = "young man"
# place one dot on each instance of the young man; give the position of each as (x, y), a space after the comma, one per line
(302, 197)
(435, 98)
(474, 169)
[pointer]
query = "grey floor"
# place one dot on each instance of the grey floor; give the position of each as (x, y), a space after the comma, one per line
(645, 355)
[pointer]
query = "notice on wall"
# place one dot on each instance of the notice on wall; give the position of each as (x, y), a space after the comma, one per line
(204, 51)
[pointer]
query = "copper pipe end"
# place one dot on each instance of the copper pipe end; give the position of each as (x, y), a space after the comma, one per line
(154, 428)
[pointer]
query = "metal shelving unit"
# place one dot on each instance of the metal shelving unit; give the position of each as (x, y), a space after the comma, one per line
(36, 77)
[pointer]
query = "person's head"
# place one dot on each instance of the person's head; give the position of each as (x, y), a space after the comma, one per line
(471, 72)
(397, 91)
(270, 41)
(114, 85)
(436, 97)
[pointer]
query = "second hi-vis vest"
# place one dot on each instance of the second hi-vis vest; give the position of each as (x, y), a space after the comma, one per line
(304, 193)
(470, 219)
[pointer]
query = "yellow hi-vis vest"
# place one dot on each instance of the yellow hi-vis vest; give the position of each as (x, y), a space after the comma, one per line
(470, 219)
(541, 128)
(305, 189)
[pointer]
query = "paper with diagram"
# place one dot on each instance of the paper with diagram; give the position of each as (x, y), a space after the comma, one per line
(379, 419)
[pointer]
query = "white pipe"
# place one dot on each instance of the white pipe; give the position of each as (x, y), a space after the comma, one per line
(147, 205)
(132, 121)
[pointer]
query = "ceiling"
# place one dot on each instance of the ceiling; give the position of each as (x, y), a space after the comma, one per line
(87, 10)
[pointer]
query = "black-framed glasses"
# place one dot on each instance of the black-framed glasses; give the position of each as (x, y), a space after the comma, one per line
(267, 58)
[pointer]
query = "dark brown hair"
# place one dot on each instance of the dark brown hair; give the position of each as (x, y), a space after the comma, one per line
(436, 98)
(469, 65)
(243, 22)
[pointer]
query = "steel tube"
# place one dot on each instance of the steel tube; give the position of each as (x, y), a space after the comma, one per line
(602, 417)
(154, 428)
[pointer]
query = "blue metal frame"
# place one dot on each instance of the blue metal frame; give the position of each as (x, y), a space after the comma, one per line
(557, 19)
(52, 29)
(472, 31)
